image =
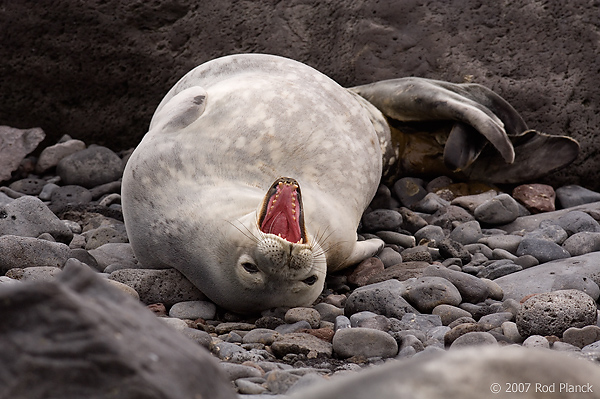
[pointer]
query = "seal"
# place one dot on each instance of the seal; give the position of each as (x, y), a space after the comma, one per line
(256, 170)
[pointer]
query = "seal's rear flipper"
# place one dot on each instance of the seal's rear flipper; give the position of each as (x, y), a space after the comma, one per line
(463, 146)
(537, 154)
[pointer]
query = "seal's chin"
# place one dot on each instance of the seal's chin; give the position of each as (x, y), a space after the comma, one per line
(282, 213)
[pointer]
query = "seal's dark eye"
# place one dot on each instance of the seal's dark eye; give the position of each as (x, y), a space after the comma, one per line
(250, 267)
(311, 280)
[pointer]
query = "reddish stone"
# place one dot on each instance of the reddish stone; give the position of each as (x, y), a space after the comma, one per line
(536, 198)
(326, 334)
(365, 270)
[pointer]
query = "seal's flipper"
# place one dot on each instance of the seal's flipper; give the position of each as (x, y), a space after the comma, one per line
(418, 99)
(537, 154)
(181, 110)
(463, 146)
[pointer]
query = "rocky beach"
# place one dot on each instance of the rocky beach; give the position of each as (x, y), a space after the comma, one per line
(465, 266)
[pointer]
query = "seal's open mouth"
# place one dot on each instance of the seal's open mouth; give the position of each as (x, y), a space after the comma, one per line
(282, 213)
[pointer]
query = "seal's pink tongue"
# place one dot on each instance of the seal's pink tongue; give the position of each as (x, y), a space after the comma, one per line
(281, 214)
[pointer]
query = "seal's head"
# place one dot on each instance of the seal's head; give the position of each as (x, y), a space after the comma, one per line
(279, 256)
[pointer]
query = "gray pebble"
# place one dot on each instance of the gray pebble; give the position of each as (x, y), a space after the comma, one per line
(91, 167)
(27, 216)
(69, 195)
(431, 203)
(300, 343)
(510, 331)
(565, 347)
(358, 317)
(467, 233)
(577, 222)
(28, 186)
(495, 320)
(383, 298)
(104, 235)
(412, 341)
(293, 328)
(543, 250)
(309, 315)
(392, 237)
(223, 350)
(475, 338)
(426, 293)
(166, 285)
(581, 337)
(449, 313)
(507, 242)
(328, 312)
(279, 381)
(582, 243)
(549, 230)
(445, 218)
(364, 342)
(417, 254)
(249, 388)
(499, 254)
(498, 269)
(409, 191)
(107, 188)
(573, 195)
(381, 219)
(536, 341)
(35, 273)
(389, 257)
(501, 209)
(471, 288)
(411, 221)
(51, 156)
(581, 283)
(430, 233)
(19, 252)
(471, 202)
(235, 371)
(495, 292)
(554, 312)
(342, 322)
(480, 248)
(452, 249)
(378, 322)
(193, 310)
(263, 336)
(110, 253)
(421, 322)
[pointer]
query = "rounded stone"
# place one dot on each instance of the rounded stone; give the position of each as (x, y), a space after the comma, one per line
(409, 191)
(309, 315)
(365, 342)
(365, 269)
(511, 331)
(419, 253)
(452, 249)
(328, 312)
(471, 288)
(193, 310)
(582, 243)
(543, 250)
(263, 336)
(449, 313)
(383, 298)
(112, 253)
(389, 257)
(394, 238)
(467, 233)
(578, 221)
(301, 343)
(28, 216)
(431, 203)
(581, 337)
(426, 293)
(552, 313)
(501, 209)
(536, 341)
(573, 195)
(535, 197)
(475, 338)
(69, 195)
(16, 252)
(51, 156)
(446, 217)
(549, 230)
(381, 219)
(28, 186)
(471, 202)
(576, 282)
(430, 233)
(460, 330)
(104, 235)
(508, 242)
(91, 167)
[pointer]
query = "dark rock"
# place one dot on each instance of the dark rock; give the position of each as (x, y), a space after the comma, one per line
(401, 272)
(411, 221)
(382, 199)
(577, 222)
(15, 144)
(28, 217)
(554, 312)
(98, 364)
(452, 249)
(471, 288)
(19, 252)
(51, 155)
(383, 298)
(409, 191)
(542, 250)
(381, 219)
(536, 197)
(365, 342)
(430, 234)
(69, 195)
(573, 195)
(582, 243)
(28, 186)
(365, 270)
(426, 293)
(417, 254)
(431, 203)
(91, 167)
(447, 216)
(467, 233)
(501, 209)
(389, 257)
(449, 313)
(475, 338)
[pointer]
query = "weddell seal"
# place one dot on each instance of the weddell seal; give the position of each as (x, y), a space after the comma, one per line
(256, 170)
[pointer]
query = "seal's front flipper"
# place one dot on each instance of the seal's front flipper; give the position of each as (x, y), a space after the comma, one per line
(180, 110)
(537, 154)
(463, 146)
(363, 250)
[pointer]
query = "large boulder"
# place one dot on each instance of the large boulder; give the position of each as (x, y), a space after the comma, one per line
(97, 70)
(483, 372)
(78, 337)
